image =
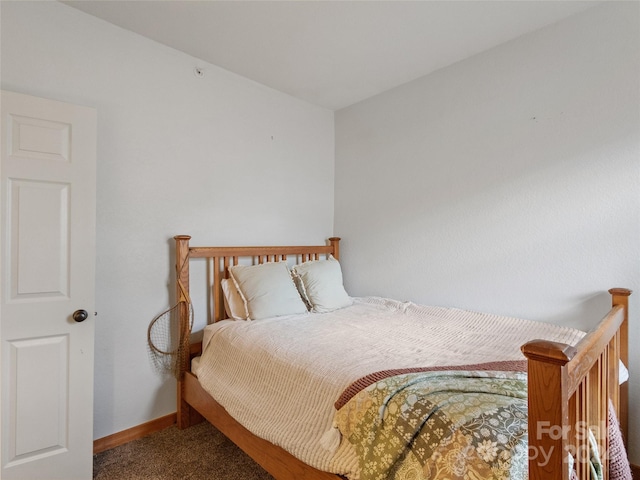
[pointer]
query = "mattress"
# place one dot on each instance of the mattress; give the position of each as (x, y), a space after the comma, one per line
(279, 377)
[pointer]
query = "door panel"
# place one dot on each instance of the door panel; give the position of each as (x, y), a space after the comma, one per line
(47, 254)
(42, 366)
(37, 138)
(39, 218)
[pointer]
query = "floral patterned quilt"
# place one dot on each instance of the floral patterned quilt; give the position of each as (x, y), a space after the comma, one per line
(433, 425)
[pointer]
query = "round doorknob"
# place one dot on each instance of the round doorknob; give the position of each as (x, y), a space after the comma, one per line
(80, 315)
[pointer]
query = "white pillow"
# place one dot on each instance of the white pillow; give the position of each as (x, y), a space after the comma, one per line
(321, 285)
(267, 290)
(233, 303)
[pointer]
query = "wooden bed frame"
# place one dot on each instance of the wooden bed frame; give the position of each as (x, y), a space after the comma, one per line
(567, 386)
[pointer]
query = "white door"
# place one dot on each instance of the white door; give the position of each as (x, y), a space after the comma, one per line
(47, 255)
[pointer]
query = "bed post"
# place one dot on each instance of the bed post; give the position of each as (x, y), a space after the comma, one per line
(184, 413)
(620, 296)
(547, 413)
(335, 244)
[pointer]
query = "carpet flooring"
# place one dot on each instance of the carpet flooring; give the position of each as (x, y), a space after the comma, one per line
(197, 453)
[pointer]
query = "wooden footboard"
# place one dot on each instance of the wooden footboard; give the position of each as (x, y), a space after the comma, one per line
(569, 387)
(569, 390)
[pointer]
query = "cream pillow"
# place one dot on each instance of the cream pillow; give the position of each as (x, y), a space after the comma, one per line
(267, 290)
(233, 303)
(320, 282)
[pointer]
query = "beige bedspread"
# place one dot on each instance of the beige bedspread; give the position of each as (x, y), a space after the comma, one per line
(280, 377)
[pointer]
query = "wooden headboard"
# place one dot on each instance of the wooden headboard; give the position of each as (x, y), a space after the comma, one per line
(221, 258)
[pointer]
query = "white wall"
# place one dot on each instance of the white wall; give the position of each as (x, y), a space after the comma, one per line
(221, 158)
(509, 182)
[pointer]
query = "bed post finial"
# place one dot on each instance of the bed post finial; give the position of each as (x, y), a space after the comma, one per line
(619, 295)
(335, 243)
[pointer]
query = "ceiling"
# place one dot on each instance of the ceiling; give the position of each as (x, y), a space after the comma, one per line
(331, 53)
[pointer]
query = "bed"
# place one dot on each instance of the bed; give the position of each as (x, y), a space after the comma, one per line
(565, 385)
